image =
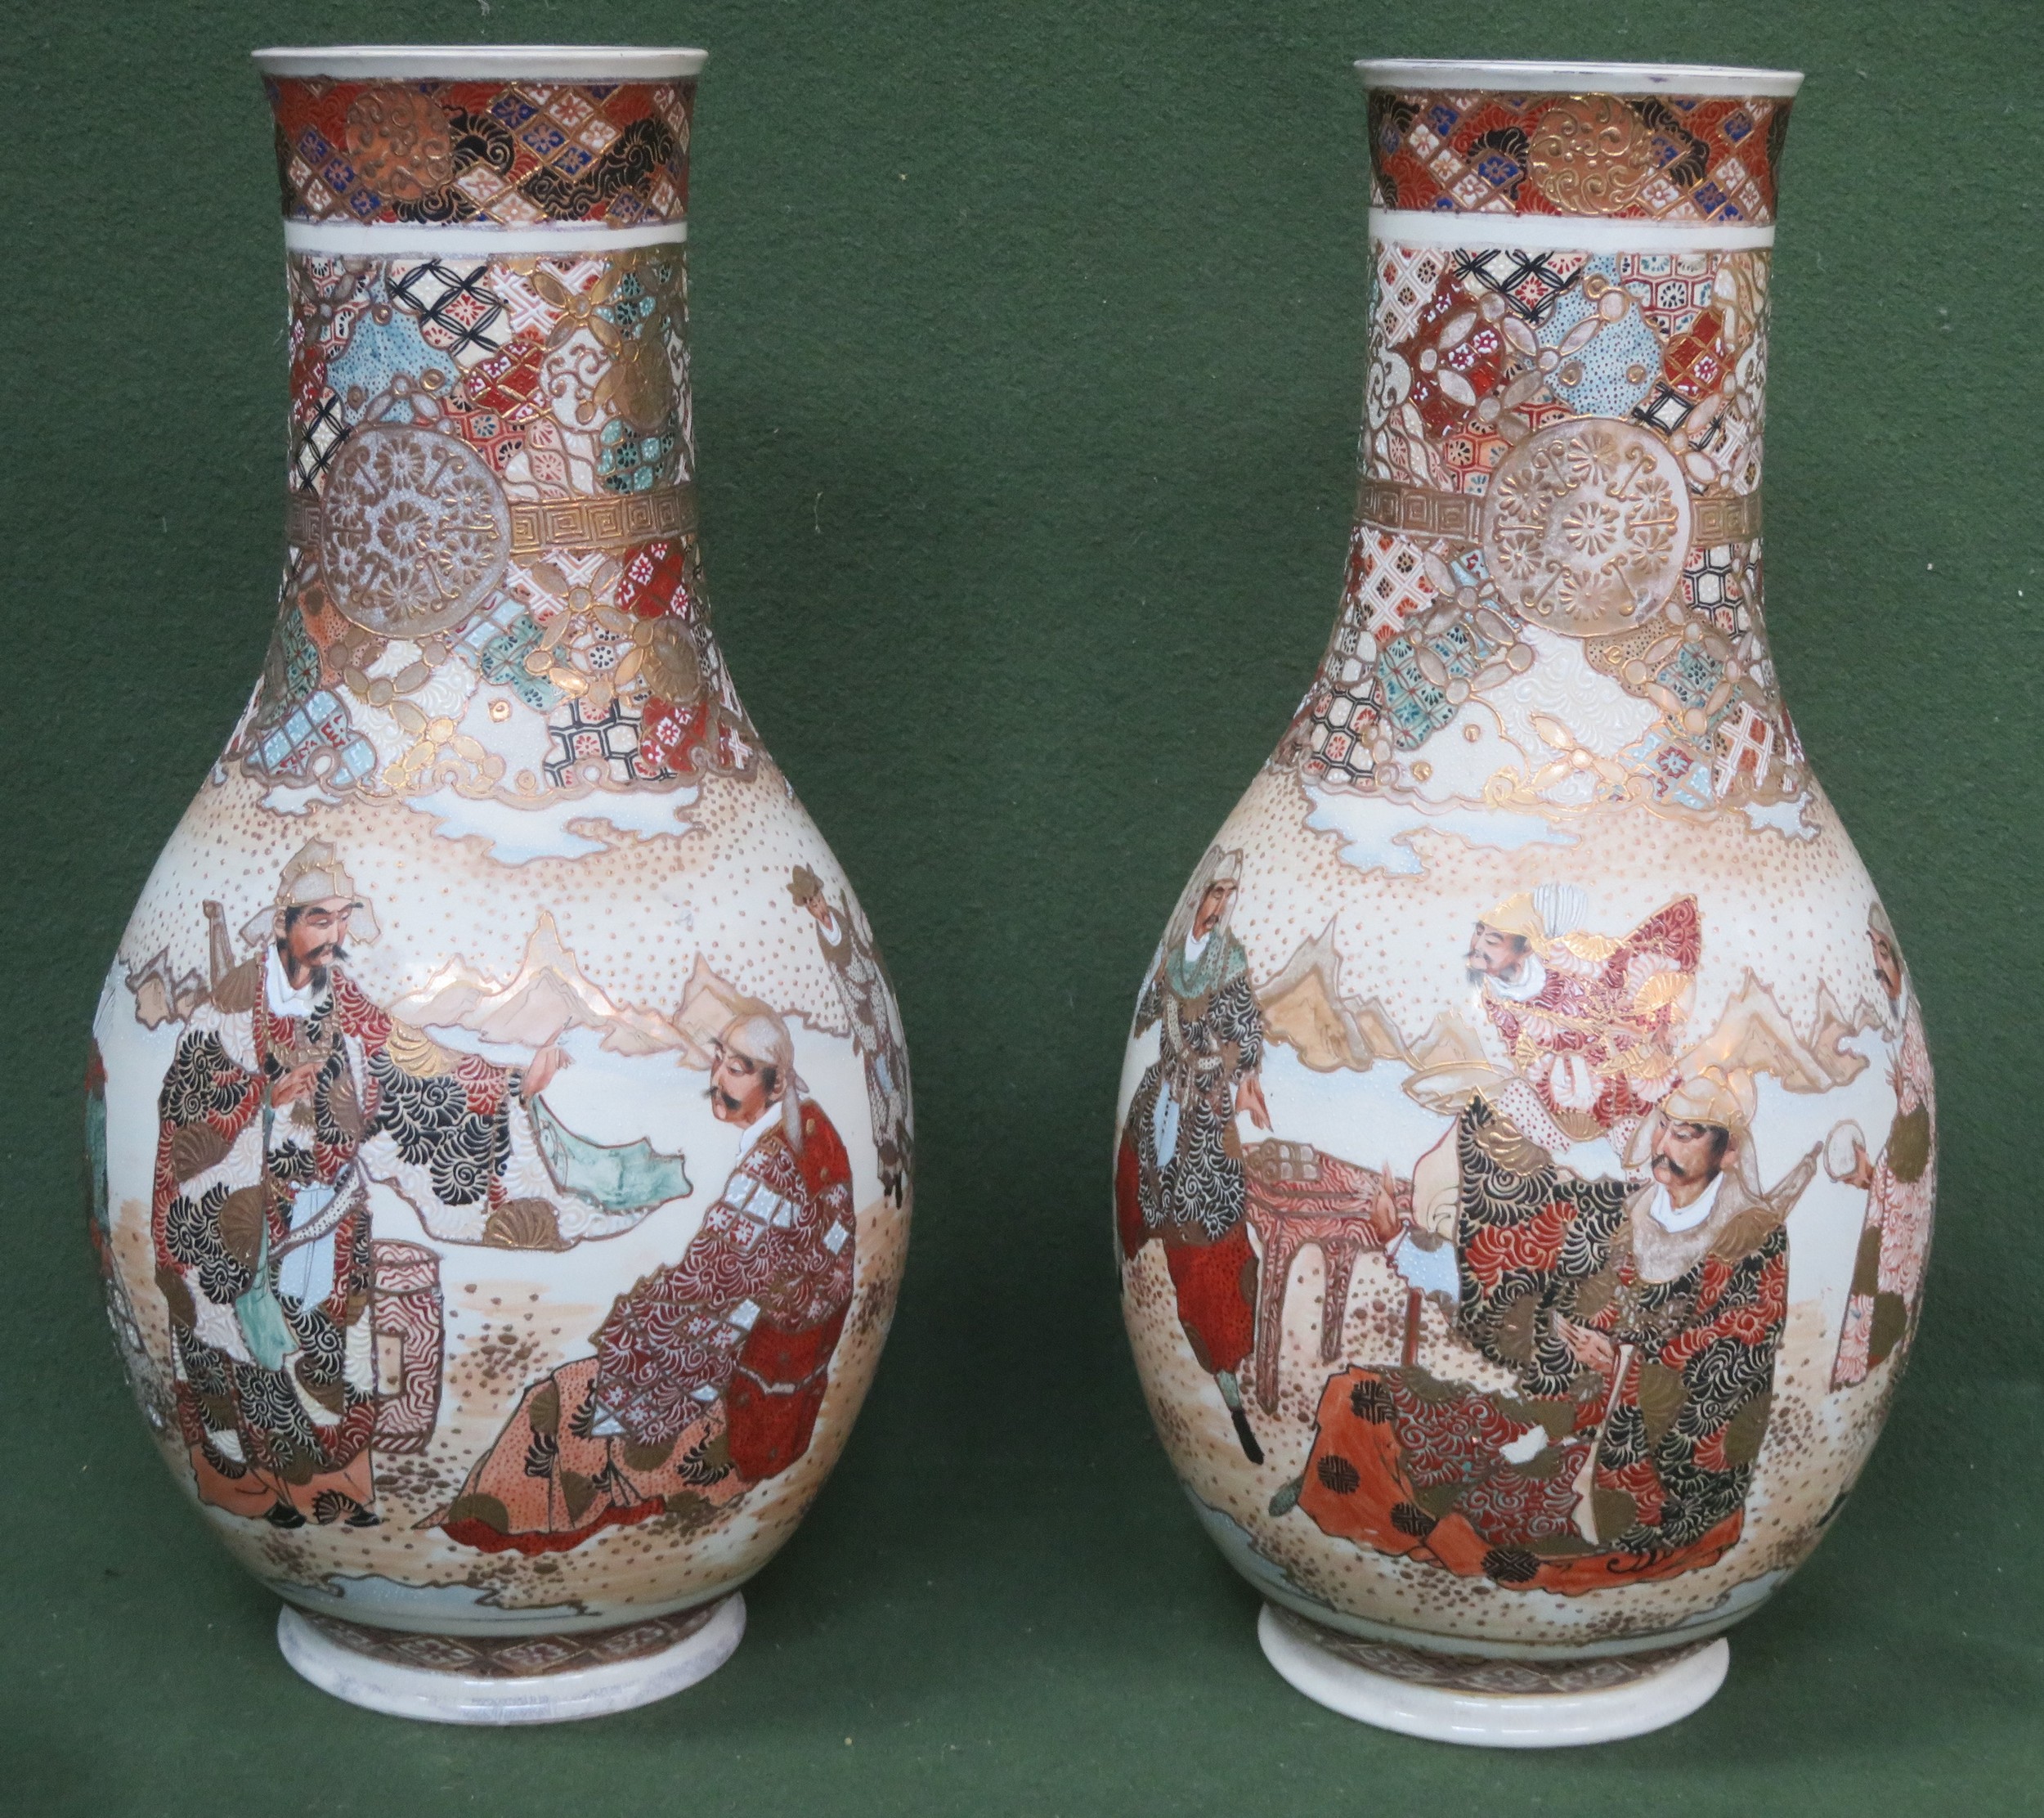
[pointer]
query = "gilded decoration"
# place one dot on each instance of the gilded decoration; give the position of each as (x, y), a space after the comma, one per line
(400, 143)
(521, 153)
(499, 1117)
(1553, 594)
(1585, 526)
(494, 585)
(415, 531)
(1592, 155)
(1641, 157)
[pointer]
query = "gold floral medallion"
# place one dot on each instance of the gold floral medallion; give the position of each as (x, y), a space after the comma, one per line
(414, 531)
(1586, 526)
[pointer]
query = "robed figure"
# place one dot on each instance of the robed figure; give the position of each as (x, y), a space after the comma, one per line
(1180, 1177)
(1586, 1022)
(288, 1091)
(1901, 1184)
(1639, 1323)
(708, 1375)
(868, 998)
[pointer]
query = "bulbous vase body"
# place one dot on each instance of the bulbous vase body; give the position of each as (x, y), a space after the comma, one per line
(500, 1111)
(1526, 1149)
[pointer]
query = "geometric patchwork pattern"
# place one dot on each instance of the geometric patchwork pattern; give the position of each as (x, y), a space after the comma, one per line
(458, 312)
(516, 153)
(1638, 157)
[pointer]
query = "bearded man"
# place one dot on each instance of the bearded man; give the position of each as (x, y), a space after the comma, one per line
(708, 1375)
(285, 1091)
(1180, 1177)
(1640, 1320)
(288, 1090)
(1901, 1187)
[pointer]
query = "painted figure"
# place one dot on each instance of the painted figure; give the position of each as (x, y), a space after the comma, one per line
(708, 1374)
(1589, 1023)
(1639, 1320)
(288, 1091)
(868, 998)
(1180, 1177)
(1901, 1187)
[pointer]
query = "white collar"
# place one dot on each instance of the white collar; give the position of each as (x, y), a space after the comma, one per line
(749, 1137)
(1661, 1210)
(287, 1000)
(1196, 945)
(1532, 976)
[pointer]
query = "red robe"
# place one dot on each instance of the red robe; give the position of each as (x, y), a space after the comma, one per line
(708, 1373)
(1596, 1052)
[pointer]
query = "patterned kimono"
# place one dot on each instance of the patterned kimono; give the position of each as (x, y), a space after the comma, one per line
(1887, 1287)
(261, 1231)
(1581, 1479)
(708, 1374)
(1180, 1176)
(1593, 1041)
(869, 1004)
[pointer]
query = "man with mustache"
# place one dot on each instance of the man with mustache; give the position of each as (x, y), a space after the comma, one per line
(287, 1088)
(709, 1374)
(1640, 1319)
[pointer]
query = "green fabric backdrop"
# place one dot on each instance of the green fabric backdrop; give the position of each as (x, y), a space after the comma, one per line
(1029, 350)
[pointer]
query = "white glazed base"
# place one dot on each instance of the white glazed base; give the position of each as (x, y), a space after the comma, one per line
(1480, 1702)
(508, 1693)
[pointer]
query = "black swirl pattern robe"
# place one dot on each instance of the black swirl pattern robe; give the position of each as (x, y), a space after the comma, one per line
(262, 1231)
(1180, 1176)
(1582, 1479)
(708, 1375)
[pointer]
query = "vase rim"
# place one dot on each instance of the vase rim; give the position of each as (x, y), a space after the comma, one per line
(483, 62)
(1517, 77)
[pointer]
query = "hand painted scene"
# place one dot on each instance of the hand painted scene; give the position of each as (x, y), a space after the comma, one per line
(533, 1261)
(1497, 1228)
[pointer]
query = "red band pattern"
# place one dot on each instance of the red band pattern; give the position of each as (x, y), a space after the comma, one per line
(513, 154)
(1673, 158)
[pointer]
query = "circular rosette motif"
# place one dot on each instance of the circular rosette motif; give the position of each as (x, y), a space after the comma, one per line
(415, 532)
(1586, 526)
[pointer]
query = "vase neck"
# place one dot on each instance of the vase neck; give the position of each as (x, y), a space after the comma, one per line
(494, 580)
(1554, 596)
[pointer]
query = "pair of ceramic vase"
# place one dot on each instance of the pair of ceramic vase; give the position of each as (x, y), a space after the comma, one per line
(501, 1114)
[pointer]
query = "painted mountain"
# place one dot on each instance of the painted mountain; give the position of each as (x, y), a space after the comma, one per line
(547, 996)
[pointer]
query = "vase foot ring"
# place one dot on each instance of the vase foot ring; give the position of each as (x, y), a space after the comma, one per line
(1492, 1703)
(511, 1678)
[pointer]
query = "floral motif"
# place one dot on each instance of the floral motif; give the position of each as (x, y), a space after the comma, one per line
(1638, 157)
(521, 153)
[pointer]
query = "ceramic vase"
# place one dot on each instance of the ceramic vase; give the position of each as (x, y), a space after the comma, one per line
(500, 1111)
(1526, 1149)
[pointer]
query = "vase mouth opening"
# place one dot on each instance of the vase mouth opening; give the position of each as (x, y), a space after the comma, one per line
(483, 62)
(1520, 78)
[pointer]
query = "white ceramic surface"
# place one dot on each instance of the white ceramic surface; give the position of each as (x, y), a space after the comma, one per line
(432, 1695)
(1495, 1720)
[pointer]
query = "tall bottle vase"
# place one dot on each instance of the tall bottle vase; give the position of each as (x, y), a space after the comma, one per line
(1527, 1149)
(500, 1111)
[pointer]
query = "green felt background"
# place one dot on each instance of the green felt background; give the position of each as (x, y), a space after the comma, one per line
(1029, 348)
